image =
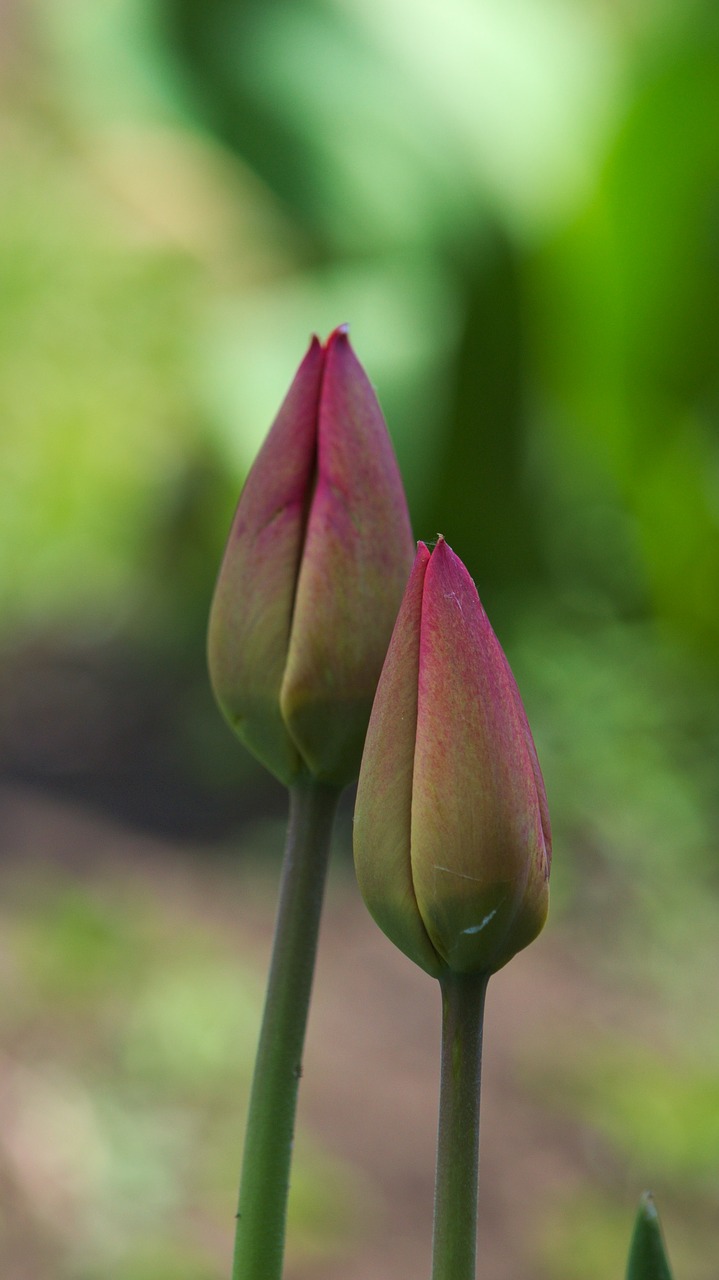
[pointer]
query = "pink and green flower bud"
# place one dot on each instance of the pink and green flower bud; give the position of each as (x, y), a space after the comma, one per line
(313, 574)
(452, 837)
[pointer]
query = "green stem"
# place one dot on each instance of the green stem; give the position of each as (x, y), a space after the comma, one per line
(264, 1186)
(455, 1202)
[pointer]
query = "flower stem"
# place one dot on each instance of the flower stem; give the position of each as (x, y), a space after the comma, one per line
(264, 1185)
(455, 1202)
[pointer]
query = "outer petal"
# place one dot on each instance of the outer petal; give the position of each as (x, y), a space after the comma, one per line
(546, 851)
(251, 615)
(384, 795)
(478, 861)
(357, 557)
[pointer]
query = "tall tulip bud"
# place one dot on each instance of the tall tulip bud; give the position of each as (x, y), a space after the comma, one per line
(452, 837)
(313, 574)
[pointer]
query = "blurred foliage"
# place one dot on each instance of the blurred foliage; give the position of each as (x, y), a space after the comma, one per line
(663, 1114)
(128, 1040)
(645, 1100)
(516, 206)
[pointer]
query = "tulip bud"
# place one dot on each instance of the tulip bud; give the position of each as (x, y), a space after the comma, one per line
(452, 838)
(313, 574)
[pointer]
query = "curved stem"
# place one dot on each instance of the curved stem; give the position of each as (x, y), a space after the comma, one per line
(455, 1202)
(264, 1185)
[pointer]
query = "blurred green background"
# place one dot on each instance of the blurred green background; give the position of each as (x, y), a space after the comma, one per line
(515, 204)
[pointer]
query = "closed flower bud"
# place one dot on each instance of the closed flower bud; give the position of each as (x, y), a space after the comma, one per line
(452, 837)
(313, 574)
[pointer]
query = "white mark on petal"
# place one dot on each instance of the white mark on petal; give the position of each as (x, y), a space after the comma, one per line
(460, 874)
(477, 928)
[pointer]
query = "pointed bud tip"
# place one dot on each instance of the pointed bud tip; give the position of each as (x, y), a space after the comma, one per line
(341, 332)
(444, 554)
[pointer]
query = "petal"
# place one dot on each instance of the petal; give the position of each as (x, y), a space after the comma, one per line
(357, 557)
(384, 793)
(546, 851)
(477, 835)
(252, 609)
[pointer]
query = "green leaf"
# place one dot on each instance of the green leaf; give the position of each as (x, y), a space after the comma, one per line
(647, 1255)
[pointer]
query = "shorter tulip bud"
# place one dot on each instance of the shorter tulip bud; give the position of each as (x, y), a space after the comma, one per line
(452, 838)
(313, 574)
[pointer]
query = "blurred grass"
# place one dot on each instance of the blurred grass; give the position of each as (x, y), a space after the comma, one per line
(128, 1045)
(649, 1116)
(516, 208)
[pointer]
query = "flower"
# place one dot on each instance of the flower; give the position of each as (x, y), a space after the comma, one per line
(316, 562)
(452, 838)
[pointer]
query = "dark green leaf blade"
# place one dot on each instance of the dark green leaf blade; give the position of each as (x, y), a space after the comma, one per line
(647, 1254)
